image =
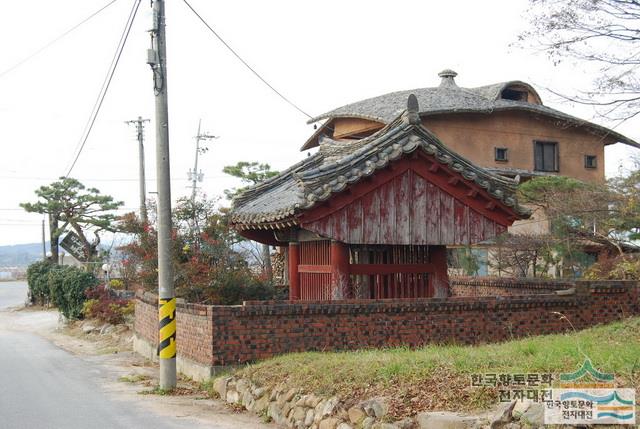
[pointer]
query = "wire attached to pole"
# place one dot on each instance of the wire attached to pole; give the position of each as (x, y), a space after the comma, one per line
(291, 103)
(105, 85)
(41, 49)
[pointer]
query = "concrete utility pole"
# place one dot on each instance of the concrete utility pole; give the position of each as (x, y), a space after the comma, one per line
(143, 187)
(167, 301)
(194, 176)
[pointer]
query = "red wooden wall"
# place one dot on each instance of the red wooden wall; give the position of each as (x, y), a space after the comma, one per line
(408, 209)
(314, 270)
(369, 271)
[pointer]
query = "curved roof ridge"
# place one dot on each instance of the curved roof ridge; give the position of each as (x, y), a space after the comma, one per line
(327, 115)
(454, 99)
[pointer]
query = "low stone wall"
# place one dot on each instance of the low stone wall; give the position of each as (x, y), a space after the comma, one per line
(293, 408)
(214, 336)
(504, 286)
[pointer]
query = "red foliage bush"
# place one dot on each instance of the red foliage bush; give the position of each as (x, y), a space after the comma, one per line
(103, 306)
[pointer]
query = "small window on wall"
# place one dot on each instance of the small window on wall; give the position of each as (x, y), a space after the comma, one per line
(501, 154)
(590, 161)
(545, 156)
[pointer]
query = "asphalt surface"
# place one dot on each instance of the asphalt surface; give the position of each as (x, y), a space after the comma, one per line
(43, 386)
(12, 294)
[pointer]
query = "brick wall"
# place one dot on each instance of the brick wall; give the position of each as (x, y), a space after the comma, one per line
(502, 286)
(193, 330)
(228, 335)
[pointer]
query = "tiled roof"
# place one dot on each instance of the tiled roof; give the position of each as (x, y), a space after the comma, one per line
(338, 164)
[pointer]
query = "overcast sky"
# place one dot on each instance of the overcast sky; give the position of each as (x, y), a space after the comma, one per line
(319, 54)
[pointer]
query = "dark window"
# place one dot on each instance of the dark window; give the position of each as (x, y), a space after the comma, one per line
(590, 161)
(545, 156)
(515, 95)
(501, 154)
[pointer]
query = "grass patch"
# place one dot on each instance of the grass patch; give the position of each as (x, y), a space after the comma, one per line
(207, 387)
(134, 378)
(439, 376)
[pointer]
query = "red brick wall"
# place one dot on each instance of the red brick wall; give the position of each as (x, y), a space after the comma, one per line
(193, 330)
(259, 330)
(502, 286)
(146, 320)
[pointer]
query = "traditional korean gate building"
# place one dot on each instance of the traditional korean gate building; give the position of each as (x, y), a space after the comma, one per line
(371, 218)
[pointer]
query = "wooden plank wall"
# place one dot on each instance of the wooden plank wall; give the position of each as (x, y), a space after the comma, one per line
(315, 270)
(407, 210)
(374, 284)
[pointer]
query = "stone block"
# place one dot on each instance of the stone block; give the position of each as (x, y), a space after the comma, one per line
(329, 423)
(445, 420)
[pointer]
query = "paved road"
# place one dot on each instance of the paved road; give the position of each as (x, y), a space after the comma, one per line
(43, 386)
(12, 294)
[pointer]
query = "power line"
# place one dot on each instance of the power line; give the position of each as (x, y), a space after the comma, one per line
(245, 63)
(38, 51)
(121, 179)
(105, 85)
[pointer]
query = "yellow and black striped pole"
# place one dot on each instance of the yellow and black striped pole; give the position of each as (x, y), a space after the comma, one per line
(167, 338)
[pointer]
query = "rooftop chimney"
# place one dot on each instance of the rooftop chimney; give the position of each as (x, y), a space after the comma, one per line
(448, 76)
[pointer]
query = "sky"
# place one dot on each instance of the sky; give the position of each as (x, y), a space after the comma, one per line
(319, 55)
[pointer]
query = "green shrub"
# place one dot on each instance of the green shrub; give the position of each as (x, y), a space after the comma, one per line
(63, 286)
(233, 287)
(38, 281)
(55, 283)
(71, 298)
(89, 307)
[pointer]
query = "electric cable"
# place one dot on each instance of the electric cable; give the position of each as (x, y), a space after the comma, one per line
(105, 86)
(42, 48)
(291, 103)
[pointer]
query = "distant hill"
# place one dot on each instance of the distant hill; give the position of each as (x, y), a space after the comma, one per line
(20, 255)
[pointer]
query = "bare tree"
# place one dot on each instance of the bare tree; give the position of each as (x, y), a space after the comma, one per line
(521, 255)
(605, 33)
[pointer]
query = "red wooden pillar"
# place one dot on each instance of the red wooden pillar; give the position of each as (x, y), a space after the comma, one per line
(440, 283)
(294, 277)
(339, 270)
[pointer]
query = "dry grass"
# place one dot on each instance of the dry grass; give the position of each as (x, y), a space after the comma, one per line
(439, 377)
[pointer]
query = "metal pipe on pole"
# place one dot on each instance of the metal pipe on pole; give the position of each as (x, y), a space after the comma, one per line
(166, 292)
